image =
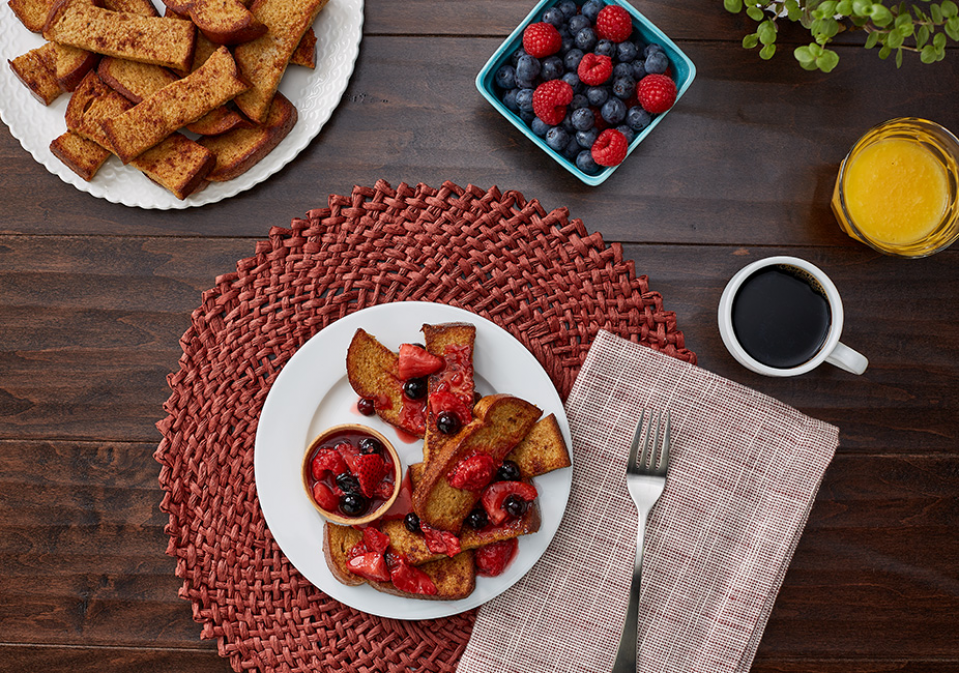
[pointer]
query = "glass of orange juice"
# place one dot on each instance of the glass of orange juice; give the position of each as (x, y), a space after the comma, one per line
(898, 188)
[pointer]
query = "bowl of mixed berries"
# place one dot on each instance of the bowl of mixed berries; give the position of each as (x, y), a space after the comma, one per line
(586, 81)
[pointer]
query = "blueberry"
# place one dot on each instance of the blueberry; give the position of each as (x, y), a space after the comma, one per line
(583, 119)
(639, 69)
(605, 48)
(627, 132)
(506, 77)
(557, 138)
(592, 9)
(477, 519)
(539, 127)
(637, 118)
(554, 16)
(626, 52)
(572, 59)
(366, 406)
(651, 48)
(527, 116)
(587, 138)
(515, 56)
(527, 70)
(369, 445)
(656, 63)
(624, 87)
(567, 125)
(597, 95)
(524, 100)
(622, 70)
(577, 23)
(354, 504)
(508, 471)
(415, 389)
(552, 68)
(569, 42)
(515, 506)
(613, 111)
(572, 79)
(579, 102)
(572, 148)
(568, 8)
(448, 423)
(585, 163)
(412, 523)
(585, 39)
(347, 483)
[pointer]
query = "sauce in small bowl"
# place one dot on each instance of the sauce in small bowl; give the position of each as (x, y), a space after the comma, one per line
(345, 481)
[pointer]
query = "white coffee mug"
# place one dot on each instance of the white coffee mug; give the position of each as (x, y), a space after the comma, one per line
(831, 351)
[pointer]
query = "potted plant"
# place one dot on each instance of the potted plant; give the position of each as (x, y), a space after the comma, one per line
(917, 27)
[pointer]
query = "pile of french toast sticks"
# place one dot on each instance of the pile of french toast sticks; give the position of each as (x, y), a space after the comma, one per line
(138, 79)
(455, 519)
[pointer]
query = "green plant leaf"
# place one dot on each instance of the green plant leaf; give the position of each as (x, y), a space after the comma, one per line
(936, 13)
(952, 28)
(734, 6)
(872, 40)
(793, 10)
(804, 55)
(861, 7)
(939, 41)
(754, 13)
(928, 54)
(767, 52)
(894, 40)
(750, 41)
(828, 60)
(844, 7)
(949, 9)
(898, 58)
(767, 32)
(884, 52)
(880, 14)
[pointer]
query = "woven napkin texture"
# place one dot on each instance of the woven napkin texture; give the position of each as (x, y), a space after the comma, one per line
(744, 471)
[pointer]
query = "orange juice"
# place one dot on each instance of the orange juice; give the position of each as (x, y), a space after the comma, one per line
(897, 188)
(896, 191)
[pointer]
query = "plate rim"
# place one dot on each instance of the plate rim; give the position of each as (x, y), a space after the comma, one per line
(364, 598)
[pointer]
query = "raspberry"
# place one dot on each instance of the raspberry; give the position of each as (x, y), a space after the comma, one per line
(324, 497)
(492, 559)
(656, 93)
(541, 40)
(550, 100)
(610, 148)
(593, 70)
(613, 24)
(473, 473)
(327, 460)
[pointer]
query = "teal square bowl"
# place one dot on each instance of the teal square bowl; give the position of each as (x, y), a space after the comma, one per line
(683, 73)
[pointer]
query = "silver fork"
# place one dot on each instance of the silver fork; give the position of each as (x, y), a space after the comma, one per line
(645, 479)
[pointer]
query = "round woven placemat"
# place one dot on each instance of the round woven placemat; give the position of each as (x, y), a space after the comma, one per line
(538, 275)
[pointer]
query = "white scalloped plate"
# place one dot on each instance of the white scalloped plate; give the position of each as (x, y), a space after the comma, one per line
(315, 93)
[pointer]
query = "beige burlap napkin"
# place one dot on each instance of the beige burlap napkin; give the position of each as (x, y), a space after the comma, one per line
(744, 472)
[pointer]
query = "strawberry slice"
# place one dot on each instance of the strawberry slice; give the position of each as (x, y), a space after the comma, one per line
(371, 566)
(496, 493)
(416, 362)
(473, 473)
(376, 541)
(409, 579)
(357, 550)
(327, 460)
(325, 497)
(440, 541)
(492, 559)
(369, 470)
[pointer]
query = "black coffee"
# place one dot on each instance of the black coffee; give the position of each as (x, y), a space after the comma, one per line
(781, 317)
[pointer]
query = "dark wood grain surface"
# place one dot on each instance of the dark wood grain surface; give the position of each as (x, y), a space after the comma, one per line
(94, 297)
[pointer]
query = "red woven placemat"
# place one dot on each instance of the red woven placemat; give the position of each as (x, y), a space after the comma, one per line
(538, 275)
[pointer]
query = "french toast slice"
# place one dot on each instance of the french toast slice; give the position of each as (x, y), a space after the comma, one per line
(174, 106)
(151, 39)
(83, 157)
(264, 60)
(141, 7)
(305, 52)
(542, 450)
(373, 372)
(501, 423)
(454, 343)
(237, 151)
(225, 21)
(454, 578)
(32, 13)
(73, 65)
(37, 70)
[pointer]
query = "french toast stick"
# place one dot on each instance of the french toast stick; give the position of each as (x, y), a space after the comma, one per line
(32, 13)
(225, 21)
(542, 450)
(174, 106)
(264, 60)
(37, 70)
(83, 157)
(454, 343)
(237, 151)
(501, 423)
(151, 39)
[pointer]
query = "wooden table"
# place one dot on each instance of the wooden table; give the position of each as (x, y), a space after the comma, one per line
(94, 297)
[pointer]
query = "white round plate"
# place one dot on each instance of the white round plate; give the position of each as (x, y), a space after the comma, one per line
(315, 93)
(312, 393)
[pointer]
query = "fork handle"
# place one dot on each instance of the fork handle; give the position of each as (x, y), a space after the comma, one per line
(626, 655)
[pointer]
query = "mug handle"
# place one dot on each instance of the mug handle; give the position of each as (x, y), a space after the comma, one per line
(846, 358)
